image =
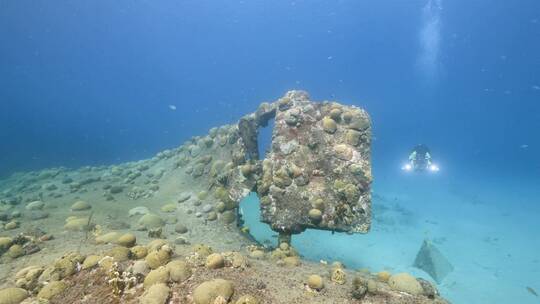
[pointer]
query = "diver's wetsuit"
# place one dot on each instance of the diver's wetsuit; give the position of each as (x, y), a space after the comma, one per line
(420, 158)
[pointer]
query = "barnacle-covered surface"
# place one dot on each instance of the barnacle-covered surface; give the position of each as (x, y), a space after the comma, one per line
(318, 172)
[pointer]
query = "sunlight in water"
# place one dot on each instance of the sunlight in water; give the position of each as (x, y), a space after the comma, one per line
(430, 38)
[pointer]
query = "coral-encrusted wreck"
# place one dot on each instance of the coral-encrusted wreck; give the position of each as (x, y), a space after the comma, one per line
(317, 173)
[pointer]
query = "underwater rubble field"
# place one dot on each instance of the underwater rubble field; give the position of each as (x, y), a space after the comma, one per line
(75, 251)
(182, 227)
(168, 230)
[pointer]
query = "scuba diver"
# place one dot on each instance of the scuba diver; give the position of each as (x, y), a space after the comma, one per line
(420, 160)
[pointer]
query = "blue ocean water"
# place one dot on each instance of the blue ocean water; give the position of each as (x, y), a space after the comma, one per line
(101, 82)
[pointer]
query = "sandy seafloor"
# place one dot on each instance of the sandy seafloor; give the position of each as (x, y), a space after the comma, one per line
(485, 224)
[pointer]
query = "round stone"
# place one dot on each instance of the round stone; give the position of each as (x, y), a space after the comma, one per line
(80, 206)
(315, 282)
(315, 215)
(214, 261)
(127, 240)
(180, 228)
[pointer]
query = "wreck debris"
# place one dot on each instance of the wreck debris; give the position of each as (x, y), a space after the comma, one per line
(432, 261)
(317, 173)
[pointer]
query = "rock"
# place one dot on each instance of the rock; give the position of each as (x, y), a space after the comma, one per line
(247, 299)
(120, 254)
(52, 289)
(215, 261)
(159, 257)
(359, 287)
(37, 215)
(337, 275)
(35, 205)
(11, 225)
(211, 216)
(228, 217)
(343, 152)
(139, 252)
(329, 125)
(156, 276)
(315, 215)
(27, 277)
(183, 197)
(156, 233)
(406, 283)
(239, 261)
(207, 208)
(116, 189)
(359, 121)
(220, 207)
(247, 170)
(156, 244)
(140, 210)
(80, 206)
(202, 195)
(127, 240)
(106, 263)
(15, 251)
(13, 295)
(156, 294)
(383, 276)
(207, 292)
(432, 261)
(76, 224)
(194, 150)
(5, 243)
(353, 137)
(168, 208)
(202, 250)
(257, 254)
(140, 268)
(179, 228)
(181, 241)
(91, 261)
(107, 238)
(315, 282)
(429, 290)
(151, 221)
(372, 286)
(179, 271)
(291, 261)
(64, 267)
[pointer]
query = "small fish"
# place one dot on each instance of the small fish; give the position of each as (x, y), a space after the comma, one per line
(532, 291)
(524, 146)
(535, 87)
(172, 107)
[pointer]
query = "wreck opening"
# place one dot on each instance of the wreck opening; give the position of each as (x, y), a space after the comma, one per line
(249, 220)
(264, 138)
